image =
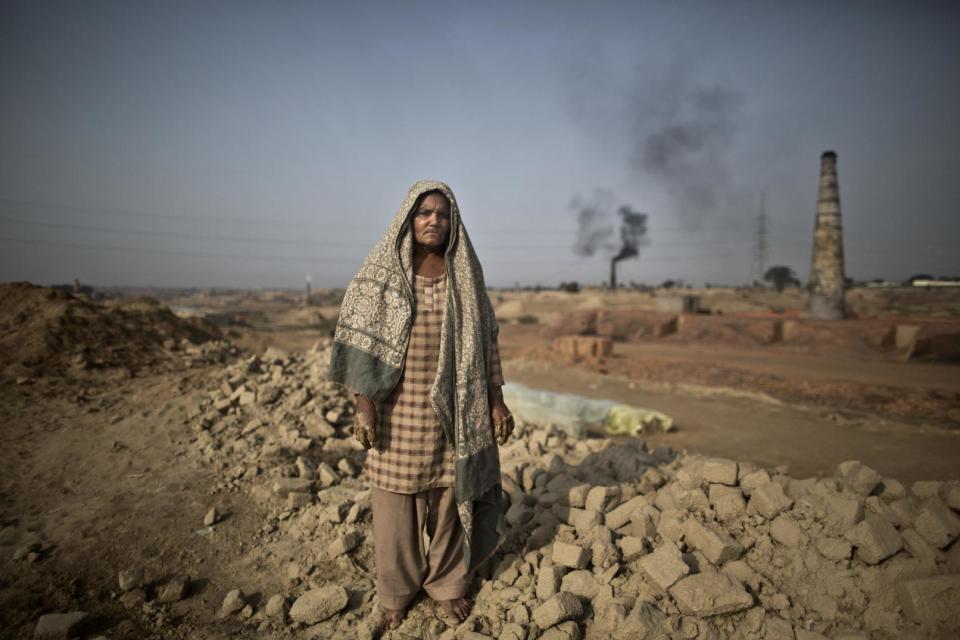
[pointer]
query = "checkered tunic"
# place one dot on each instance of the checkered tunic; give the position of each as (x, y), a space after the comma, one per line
(413, 454)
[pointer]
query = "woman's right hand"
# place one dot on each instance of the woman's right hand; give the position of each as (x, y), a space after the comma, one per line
(365, 422)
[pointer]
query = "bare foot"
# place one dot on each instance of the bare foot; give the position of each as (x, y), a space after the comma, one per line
(390, 619)
(457, 610)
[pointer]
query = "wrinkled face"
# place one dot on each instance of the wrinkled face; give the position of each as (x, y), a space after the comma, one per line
(431, 221)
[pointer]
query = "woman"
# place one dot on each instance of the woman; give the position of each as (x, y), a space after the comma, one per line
(417, 342)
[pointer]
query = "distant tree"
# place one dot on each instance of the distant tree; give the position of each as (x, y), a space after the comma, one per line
(670, 284)
(570, 287)
(781, 276)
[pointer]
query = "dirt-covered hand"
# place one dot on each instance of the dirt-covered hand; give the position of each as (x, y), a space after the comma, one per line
(502, 421)
(365, 423)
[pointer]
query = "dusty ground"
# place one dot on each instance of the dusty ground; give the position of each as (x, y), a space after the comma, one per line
(100, 475)
(96, 463)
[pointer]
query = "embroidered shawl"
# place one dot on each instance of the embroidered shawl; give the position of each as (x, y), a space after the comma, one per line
(370, 345)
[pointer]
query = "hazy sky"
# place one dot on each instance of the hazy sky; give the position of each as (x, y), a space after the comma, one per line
(250, 144)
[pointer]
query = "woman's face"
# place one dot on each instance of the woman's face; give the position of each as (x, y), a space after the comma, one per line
(431, 221)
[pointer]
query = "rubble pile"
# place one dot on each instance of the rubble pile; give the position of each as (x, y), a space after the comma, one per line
(50, 331)
(605, 538)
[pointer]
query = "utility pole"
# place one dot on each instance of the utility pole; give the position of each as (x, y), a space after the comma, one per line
(760, 250)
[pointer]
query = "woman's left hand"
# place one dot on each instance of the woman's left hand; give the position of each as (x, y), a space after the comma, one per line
(500, 416)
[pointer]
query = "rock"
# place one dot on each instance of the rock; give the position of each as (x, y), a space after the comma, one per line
(251, 426)
(327, 475)
(752, 480)
(643, 621)
(568, 630)
(284, 486)
(580, 583)
(304, 470)
(785, 530)
(518, 515)
(671, 525)
(507, 570)
(60, 626)
(875, 505)
(891, 489)
(776, 628)
(512, 631)
(25, 550)
(548, 581)
(906, 510)
(134, 598)
(276, 607)
(664, 566)
(317, 605)
(924, 489)
(576, 495)
(268, 394)
(710, 594)
(519, 615)
(631, 548)
(844, 511)
(602, 499)
(833, 548)
(936, 523)
(640, 526)
(297, 500)
(570, 555)
(720, 470)
(175, 590)
(347, 468)
(729, 506)
(918, 547)
(625, 512)
(234, 602)
(130, 579)
(344, 544)
(715, 544)
(858, 477)
(585, 519)
(561, 607)
(950, 493)
(768, 500)
(693, 500)
(875, 539)
(213, 516)
(931, 600)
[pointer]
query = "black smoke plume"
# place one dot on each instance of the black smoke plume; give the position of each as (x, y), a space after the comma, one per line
(685, 135)
(594, 228)
(633, 232)
(595, 231)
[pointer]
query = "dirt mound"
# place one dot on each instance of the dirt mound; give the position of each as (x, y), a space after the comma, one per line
(44, 330)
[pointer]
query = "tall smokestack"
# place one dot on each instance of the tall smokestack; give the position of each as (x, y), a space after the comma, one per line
(826, 268)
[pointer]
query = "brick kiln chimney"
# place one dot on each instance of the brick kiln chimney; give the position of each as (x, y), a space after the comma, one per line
(826, 267)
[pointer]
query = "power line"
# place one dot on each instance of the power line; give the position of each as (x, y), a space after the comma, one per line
(284, 258)
(197, 254)
(793, 232)
(173, 234)
(304, 243)
(130, 213)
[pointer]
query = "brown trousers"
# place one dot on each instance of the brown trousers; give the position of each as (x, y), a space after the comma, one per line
(403, 566)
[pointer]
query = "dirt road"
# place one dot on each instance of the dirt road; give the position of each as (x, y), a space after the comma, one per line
(744, 427)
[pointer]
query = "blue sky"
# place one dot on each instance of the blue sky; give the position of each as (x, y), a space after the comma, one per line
(250, 144)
